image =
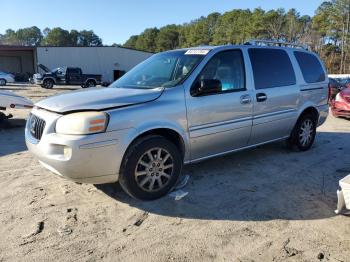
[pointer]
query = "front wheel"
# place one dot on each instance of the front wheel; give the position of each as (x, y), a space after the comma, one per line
(151, 168)
(48, 83)
(304, 133)
(90, 83)
(2, 82)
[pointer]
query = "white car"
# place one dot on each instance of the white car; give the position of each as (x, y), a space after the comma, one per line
(11, 100)
(6, 78)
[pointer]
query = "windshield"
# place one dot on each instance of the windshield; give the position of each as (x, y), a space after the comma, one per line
(160, 70)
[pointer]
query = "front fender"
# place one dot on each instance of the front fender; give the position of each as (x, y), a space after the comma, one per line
(152, 125)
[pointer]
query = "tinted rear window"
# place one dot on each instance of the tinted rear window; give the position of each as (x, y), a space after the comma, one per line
(271, 68)
(74, 71)
(310, 66)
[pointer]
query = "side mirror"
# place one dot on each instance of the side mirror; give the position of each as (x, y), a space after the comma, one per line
(206, 87)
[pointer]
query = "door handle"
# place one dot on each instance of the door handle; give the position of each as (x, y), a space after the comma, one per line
(261, 97)
(245, 99)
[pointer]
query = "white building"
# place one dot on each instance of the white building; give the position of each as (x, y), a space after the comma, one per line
(107, 61)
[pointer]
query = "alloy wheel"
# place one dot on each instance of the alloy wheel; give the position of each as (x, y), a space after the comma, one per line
(306, 132)
(154, 169)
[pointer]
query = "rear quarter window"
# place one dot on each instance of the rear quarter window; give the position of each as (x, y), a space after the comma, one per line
(271, 68)
(310, 67)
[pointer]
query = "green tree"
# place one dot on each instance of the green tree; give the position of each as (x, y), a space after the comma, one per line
(89, 38)
(57, 37)
(275, 22)
(147, 40)
(131, 42)
(167, 38)
(30, 36)
(74, 36)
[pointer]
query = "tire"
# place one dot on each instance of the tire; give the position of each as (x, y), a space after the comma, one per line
(303, 134)
(48, 83)
(147, 179)
(2, 82)
(90, 83)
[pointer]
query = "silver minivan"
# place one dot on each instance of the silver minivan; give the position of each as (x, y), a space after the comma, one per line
(180, 107)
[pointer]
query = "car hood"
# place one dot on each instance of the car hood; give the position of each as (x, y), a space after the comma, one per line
(44, 68)
(98, 99)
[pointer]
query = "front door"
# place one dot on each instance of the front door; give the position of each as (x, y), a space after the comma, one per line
(74, 76)
(221, 121)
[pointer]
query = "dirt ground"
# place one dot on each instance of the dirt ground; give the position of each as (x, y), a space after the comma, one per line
(263, 204)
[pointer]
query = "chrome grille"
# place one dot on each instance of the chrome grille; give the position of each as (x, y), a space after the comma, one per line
(36, 126)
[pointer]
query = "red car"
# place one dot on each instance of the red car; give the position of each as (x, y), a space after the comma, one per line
(340, 104)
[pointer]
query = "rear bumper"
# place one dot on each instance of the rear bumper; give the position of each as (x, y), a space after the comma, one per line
(323, 114)
(340, 113)
(341, 109)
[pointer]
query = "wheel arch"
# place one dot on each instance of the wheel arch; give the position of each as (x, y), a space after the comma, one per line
(51, 78)
(90, 79)
(310, 109)
(169, 133)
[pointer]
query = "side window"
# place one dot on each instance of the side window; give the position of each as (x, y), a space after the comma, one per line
(60, 71)
(310, 66)
(228, 68)
(271, 68)
(74, 71)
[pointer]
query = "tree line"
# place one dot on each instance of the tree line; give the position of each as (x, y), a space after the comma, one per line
(33, 36)
(326, 33)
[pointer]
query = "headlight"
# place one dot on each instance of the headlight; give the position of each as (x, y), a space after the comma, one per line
(82, 123)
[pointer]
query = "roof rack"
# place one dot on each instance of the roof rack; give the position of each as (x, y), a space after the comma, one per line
(276, 43)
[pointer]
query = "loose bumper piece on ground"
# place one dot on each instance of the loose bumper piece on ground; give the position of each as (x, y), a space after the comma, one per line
(343, 206)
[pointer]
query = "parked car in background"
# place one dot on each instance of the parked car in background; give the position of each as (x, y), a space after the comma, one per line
(335, 86)
(65, 76)
(340, 104)
(347, 83)
(10, 100)
(180, 107)
(6, 78)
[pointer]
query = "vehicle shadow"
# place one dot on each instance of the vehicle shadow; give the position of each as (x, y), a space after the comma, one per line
(265, 183)
(66, 88)
(12, 136)
(7, 88)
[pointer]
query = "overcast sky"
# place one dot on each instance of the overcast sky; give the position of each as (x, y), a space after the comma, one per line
(115, 21)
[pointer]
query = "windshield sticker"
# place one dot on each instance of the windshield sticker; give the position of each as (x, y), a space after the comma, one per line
(197, 52)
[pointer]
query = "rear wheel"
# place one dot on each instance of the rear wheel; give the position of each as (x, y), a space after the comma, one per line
(48, 83)
(2, 82)
(151, 168)
(90, 83)
(304, 133)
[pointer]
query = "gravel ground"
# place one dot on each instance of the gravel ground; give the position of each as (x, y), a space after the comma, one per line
(263, 204)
